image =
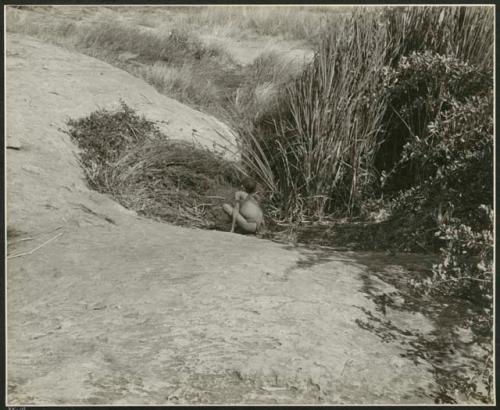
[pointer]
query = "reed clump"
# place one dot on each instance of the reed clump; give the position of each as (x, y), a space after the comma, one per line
(315, 152)
(462, 32)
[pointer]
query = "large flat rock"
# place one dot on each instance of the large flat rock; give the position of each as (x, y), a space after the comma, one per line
(78, 86)
(117, 309)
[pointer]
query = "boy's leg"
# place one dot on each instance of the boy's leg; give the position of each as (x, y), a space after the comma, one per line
(249, 227)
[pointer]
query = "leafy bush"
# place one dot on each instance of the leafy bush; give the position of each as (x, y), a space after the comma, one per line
(466, 269)
(445, 165)
(465, 272)
(422, 86)
(443, 185)
(457, 161)
(437, 159)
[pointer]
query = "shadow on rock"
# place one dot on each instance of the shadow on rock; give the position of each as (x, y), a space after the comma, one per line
(456, 351)
(430, 331)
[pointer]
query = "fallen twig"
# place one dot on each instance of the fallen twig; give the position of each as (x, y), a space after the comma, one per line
(53, 230)
(35, 249)
(146, 98)
(20, 240)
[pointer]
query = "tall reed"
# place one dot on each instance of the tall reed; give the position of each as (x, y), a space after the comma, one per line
(317, 151)
(462, 32)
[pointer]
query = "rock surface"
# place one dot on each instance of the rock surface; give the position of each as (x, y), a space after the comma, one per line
(117, 309)
(93, 84)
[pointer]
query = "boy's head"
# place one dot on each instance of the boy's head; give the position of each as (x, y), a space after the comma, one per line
(249, 185)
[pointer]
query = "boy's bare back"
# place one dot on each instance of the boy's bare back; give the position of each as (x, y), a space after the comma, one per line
(249, 207)
(246, 213)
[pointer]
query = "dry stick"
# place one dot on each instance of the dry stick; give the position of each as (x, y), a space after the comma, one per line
(55, 229)
(38, 247)
(146, 98)
(20, 240)
(38, 234)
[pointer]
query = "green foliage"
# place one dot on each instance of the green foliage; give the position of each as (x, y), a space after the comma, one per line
(465, 272)
(458, 157)
(467, 261)
(422, 86)
(446, 170)
(439, 141)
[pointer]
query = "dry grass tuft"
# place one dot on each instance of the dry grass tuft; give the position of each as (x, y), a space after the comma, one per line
(126, 156)
(243, 22)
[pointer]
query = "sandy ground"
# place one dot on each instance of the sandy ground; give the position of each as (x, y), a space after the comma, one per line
(117, 309)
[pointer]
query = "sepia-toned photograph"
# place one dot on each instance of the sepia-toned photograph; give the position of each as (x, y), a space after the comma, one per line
(249, 205)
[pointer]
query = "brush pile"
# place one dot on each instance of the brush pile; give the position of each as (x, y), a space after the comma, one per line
(126, 156)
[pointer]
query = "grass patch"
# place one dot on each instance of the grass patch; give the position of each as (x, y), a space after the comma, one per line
(163, 45)
(241, 22)
(126, 156)
(173, 60)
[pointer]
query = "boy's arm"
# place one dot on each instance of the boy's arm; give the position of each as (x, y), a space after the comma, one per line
(239, 196)
(236, 211)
